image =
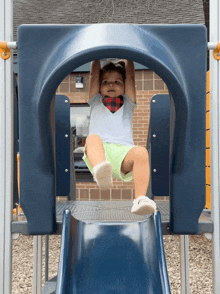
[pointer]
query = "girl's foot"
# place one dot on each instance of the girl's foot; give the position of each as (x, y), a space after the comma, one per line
(143, 205)
(102, 173)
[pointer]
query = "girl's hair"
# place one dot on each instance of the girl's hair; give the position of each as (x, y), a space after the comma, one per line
(113, 66)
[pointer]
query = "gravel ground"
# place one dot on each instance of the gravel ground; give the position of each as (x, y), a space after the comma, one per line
(200, 263)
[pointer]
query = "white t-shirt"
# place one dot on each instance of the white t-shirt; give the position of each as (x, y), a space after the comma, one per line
(112, 127)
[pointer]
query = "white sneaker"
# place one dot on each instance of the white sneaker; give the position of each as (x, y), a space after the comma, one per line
(102, 173)
(143, 205)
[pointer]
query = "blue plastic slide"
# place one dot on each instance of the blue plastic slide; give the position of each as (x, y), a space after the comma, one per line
(112, 258)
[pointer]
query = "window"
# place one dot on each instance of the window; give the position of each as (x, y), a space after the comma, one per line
(79, 118)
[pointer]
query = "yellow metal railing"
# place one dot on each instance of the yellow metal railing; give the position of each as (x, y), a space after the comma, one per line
(208, 181)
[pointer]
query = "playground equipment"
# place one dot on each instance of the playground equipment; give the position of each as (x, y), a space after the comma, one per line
(154, 47)
(118, 249)
(157, 47)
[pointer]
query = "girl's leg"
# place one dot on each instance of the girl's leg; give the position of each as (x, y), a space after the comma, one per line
(137, 160)
(94, 150)
(142, 205)
(102, 170)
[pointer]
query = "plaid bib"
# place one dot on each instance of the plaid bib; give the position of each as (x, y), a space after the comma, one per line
(113, 104)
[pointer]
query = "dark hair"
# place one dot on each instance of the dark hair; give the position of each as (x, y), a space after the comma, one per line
(113, 66)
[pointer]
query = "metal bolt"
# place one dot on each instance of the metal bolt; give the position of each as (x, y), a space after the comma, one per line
(218, 54)
(154, 101)
(154, 170)
(154, 135)
(5, 53)
(66, 101)
(66, 170)
(66, 135)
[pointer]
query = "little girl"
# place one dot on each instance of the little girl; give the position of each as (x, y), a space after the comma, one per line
(109, 150)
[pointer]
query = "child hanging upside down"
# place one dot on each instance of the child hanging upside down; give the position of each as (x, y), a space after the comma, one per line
(109, 150)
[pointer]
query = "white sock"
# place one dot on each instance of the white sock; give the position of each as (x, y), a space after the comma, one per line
(102, 173)
(97, 166)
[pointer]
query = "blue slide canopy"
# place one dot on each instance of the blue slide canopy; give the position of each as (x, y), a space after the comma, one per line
(48, 53)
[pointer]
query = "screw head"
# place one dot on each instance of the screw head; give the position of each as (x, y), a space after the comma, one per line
(154, 101)
(154, 170)
(154, 135)
(66, 101)
(66, 170)
(66, 135)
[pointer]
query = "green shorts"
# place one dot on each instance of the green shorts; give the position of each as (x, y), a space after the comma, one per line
(115, 154)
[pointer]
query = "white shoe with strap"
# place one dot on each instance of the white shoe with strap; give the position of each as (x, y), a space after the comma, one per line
(143, 206)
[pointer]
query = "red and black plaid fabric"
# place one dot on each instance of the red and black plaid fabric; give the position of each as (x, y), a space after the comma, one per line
(113, 104)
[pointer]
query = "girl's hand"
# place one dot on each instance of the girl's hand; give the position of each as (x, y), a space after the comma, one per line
(94, 78)
(123, 60)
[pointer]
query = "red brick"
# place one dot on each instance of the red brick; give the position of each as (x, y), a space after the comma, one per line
(139, 85)
(153, 92)
(148, 85)
(126, 193)
(77, 193)
(130, 184)
(94, 194)
(77, 197)
(84, 194)
(80, 186)
(105, 194)
(159, 85)
(148, 74)
(138, 75)
(64, 87)
(116, 194)
(164, 91)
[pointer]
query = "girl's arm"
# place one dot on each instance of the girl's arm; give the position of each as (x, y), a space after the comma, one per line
(130, 80)
(94, 78)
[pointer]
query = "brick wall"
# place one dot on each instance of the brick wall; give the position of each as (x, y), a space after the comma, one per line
(148, 84)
